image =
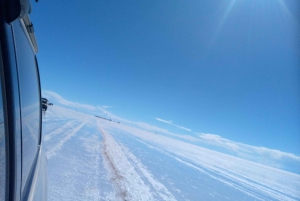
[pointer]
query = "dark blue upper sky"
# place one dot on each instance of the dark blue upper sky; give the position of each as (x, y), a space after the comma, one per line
(227, 67)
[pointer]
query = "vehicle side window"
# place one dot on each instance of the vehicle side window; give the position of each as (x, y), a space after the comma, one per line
(30, 100)
(2, 143)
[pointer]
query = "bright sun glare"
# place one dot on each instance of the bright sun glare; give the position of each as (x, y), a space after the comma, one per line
(257, 8)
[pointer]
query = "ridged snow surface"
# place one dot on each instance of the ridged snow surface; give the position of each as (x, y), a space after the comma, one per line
(90, 158)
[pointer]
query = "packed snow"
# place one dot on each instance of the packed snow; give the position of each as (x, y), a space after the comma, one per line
(91, 158)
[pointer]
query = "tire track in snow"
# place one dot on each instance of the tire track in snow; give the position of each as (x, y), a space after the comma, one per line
(93, 171)
(58, 130)
(52, 152)
(160, 190)
(127, 182)
(115, 175)
(92, 146)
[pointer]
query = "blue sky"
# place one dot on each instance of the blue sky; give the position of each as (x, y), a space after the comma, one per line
(223, 67)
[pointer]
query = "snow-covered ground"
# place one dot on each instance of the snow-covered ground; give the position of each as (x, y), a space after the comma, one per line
(90, 158)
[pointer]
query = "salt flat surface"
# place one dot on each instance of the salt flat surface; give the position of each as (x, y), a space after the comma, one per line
(95, 159)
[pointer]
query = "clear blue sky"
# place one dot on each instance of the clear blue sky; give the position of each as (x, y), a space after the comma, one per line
(227, 67)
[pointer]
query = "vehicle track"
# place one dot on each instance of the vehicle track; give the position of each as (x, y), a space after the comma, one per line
(131, 180)
(52, 152)
(115, 176)
(59, 130)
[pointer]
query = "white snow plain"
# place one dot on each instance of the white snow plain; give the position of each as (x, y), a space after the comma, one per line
(90, 158)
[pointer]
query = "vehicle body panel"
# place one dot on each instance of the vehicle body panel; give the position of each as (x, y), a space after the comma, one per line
(23, 165)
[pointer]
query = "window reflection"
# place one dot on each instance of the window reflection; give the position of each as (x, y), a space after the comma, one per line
(30, 100)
